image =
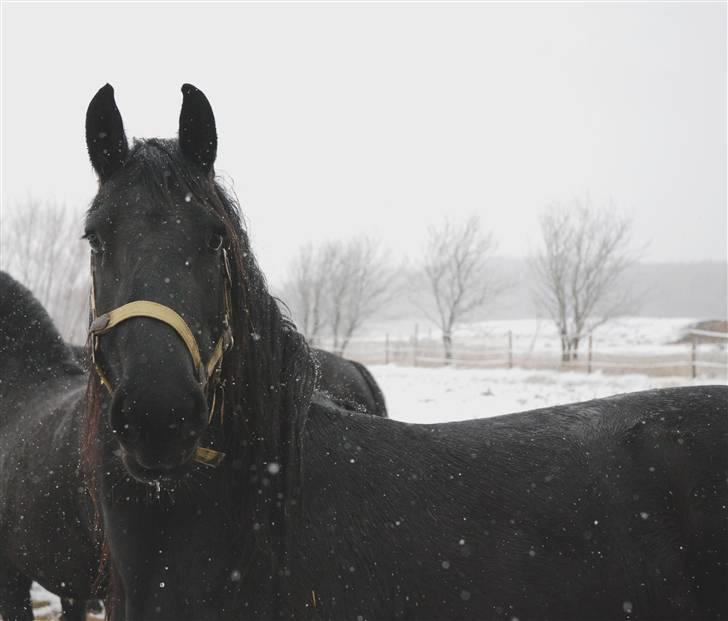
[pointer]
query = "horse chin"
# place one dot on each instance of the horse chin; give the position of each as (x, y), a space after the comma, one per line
(159, 471)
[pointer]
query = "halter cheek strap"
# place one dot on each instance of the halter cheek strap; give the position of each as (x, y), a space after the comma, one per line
(206, 374)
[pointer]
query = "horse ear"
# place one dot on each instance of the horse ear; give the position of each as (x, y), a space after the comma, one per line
(105, 138)
(197, 134)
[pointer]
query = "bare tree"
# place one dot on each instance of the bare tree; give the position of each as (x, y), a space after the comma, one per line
(584, 254)
(456, 262)
(305, 290)
(40, 245)
(360, 282)
(337, 287)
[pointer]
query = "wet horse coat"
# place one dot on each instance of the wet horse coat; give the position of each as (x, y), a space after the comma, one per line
(46, 518)
(47, 532)
(599, 510)
(349, 384)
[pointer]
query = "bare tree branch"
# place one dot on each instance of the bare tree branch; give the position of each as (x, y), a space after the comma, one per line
(585, 252)
(40, 245)
(305, 291)
(338, 286)
(361, 282)
(456, 267)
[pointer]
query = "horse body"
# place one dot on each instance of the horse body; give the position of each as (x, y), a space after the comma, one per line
(349, 384)
(596, 510)
(45, 513)
(587, 510)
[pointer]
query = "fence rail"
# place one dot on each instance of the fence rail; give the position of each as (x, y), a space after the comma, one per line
(687, 359)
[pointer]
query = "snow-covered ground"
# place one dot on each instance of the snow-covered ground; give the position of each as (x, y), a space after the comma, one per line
(418, 395)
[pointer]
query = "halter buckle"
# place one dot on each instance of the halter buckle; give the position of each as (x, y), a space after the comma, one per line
(227, 337)
(99, 324)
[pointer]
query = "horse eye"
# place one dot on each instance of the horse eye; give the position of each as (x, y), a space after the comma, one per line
(215, 241)
(95, 242)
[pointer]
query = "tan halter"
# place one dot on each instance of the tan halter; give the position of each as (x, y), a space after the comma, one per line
(206, 374)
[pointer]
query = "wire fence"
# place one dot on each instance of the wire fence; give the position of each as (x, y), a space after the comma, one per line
(704, 355)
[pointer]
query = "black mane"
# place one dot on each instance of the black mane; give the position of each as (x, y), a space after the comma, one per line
(30, 344)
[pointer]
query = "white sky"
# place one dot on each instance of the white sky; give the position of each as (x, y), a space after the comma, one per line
(336, 119)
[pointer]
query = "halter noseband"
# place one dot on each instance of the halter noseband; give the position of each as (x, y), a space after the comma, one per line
(207, 374)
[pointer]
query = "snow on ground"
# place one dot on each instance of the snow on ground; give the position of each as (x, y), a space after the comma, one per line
(419, 395)
(46, 606)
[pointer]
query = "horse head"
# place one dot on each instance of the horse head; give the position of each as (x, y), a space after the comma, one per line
(161, 284)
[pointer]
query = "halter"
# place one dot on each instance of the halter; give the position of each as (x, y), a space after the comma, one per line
(208, 375)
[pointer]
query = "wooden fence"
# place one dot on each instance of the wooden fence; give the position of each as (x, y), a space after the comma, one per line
(688, 359)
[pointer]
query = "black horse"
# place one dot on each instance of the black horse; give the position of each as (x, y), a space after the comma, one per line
(46, 517)
(34, 542)
(349, 384)
(608, 509)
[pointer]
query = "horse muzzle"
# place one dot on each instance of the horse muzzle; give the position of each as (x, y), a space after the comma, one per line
(159, 431)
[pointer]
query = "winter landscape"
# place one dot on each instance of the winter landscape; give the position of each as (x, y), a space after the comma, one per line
(493, 207)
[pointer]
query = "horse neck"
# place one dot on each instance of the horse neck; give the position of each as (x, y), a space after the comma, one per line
(269, 392)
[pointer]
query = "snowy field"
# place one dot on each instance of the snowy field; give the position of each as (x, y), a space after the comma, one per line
(418, 395)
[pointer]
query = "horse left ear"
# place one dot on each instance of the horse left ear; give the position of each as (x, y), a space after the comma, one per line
(197, 134)
(105, 137)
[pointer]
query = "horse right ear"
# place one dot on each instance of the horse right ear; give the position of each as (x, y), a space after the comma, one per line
(197, 133)
(105, 138)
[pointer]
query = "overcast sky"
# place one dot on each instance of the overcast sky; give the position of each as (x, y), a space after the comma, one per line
(337, 119)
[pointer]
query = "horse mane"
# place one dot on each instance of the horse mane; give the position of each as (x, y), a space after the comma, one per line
(269, 374)
(30, 344)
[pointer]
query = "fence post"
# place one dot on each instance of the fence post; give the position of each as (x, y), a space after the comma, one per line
(510, 349)
(414, 345)
(386, 348)
(694, 357)
(589, 356)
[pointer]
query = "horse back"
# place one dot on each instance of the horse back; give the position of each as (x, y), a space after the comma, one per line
(582, 509)
(349, 384)
(32, 352)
